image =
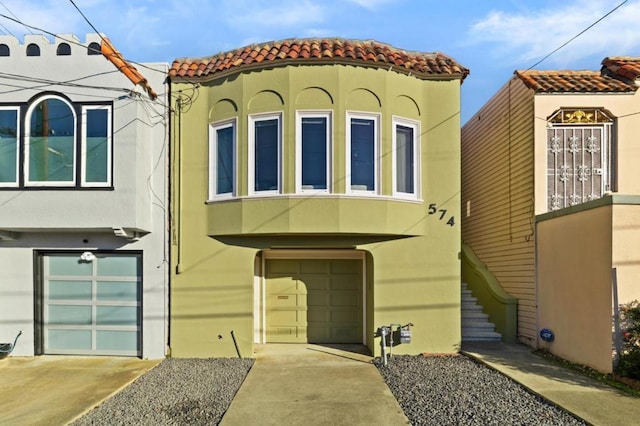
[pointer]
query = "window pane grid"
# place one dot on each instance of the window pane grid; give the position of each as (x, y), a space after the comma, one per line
(266, 155)
(363, 154)
(313, 157)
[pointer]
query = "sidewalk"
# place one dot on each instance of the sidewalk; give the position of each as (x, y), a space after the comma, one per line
(586, 398)
(304, 384)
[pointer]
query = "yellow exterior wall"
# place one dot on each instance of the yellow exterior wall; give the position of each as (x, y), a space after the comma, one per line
(497, 195)
(412, 257)
(626, 249)
(574, 285)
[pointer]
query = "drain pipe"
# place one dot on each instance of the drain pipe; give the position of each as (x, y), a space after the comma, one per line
(383, 333)
(233, 336)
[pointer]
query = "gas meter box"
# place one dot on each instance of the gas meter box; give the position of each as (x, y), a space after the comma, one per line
(405, 335)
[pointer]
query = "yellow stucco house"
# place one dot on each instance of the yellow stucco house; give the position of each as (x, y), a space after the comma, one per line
(315, 197)
(551, 203)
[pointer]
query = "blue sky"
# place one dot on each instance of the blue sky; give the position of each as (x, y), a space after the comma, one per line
(490, 37)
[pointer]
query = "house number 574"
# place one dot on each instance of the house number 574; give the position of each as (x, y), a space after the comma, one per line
(433, 209)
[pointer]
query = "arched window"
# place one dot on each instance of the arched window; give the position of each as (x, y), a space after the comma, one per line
(51, 143)
(580, 156)
(63, 49)
(4, 50)
(33, 50)
(93, 49)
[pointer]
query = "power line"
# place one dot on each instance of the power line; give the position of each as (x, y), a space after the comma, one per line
(578, 35)
(14, 15)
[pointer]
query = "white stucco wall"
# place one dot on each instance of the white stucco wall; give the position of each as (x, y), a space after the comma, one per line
(82, 219)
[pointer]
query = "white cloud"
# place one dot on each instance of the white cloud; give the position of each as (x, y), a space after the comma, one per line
(520, 38)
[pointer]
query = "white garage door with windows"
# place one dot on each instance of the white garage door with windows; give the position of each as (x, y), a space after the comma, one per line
(91, 307)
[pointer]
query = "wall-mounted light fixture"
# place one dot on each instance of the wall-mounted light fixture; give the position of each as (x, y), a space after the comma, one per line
(87, 256)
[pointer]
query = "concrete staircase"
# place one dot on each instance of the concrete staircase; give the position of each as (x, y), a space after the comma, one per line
(475, 323)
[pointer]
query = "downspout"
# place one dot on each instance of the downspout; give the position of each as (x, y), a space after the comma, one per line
(168, 223)
(178, 174)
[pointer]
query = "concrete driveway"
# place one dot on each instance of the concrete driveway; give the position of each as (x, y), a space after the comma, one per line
(55, 390)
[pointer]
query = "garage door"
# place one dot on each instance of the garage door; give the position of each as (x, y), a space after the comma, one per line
(91, 307)
(315, 301)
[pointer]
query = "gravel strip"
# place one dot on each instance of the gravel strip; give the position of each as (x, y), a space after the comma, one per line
(455, 390)
(176, 392)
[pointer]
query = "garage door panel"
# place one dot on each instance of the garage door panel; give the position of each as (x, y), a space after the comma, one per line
(282, 301)
(314, 267)
(116, 340)
(70, 290)
(350, 317)
(344, 299)
(345, 334)
(69, 339)
(282, 266)
(318, 316)
(346, 266)
(345, 283)
(315, 283)
(316, 299)
(284, 285)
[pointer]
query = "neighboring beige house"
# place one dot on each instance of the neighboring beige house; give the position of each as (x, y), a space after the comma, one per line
(551, 201)
(315, 197)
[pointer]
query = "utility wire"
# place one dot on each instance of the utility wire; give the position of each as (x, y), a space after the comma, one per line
(578, 35)
(14, 15)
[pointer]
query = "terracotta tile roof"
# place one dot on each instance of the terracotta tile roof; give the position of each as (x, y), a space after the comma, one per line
(625, 67)
(573, 81)
(324, 51)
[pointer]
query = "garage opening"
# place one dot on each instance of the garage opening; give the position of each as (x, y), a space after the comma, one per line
(314, 300)
(91, 305)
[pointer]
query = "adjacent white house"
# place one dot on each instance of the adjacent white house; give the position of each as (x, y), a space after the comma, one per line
(83, 225)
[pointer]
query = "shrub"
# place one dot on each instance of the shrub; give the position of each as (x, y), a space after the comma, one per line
(629, 356)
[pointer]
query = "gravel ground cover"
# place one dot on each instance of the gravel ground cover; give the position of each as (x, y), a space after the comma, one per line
(176, 392)
(455, 390)
(445, 390)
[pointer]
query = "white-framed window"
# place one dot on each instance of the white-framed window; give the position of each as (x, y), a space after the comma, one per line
(265, 151)
(64, 145)
(363, 147)
(580, 156)
(96, 146)
(50, 141)
(406, 158)
(9, 146)
(313, 151)
(222, 159)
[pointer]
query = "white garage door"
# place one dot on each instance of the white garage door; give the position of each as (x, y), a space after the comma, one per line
(92, 307)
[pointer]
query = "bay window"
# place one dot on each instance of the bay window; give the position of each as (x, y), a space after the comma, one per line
(222, 159)
(362, 153)
(265, 140)
(313, 147)
(405, 151)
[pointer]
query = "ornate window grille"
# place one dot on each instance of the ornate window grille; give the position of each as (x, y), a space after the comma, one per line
(579, 156)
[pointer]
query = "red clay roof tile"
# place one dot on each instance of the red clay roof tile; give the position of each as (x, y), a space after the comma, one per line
(625, 67)
(323, 51)
(572, 81)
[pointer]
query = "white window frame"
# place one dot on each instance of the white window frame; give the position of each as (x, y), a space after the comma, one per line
(83, 142)
(27, 138)
(415, 125)
(328, 115)
(253, 119)
(375, 117)
(213, 154)
(16, 182)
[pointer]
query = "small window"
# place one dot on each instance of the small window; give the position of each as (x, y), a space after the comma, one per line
(405, 158)
(96, 146)
(63, 49)
(362, 153)
(264, 147)
(50, 145)
(313, 145)
(33, 50)
(94, 49)
(9, 146)
(222, 159)
(4, 50)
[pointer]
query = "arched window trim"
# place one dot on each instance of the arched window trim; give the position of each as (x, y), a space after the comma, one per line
(27, 138)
